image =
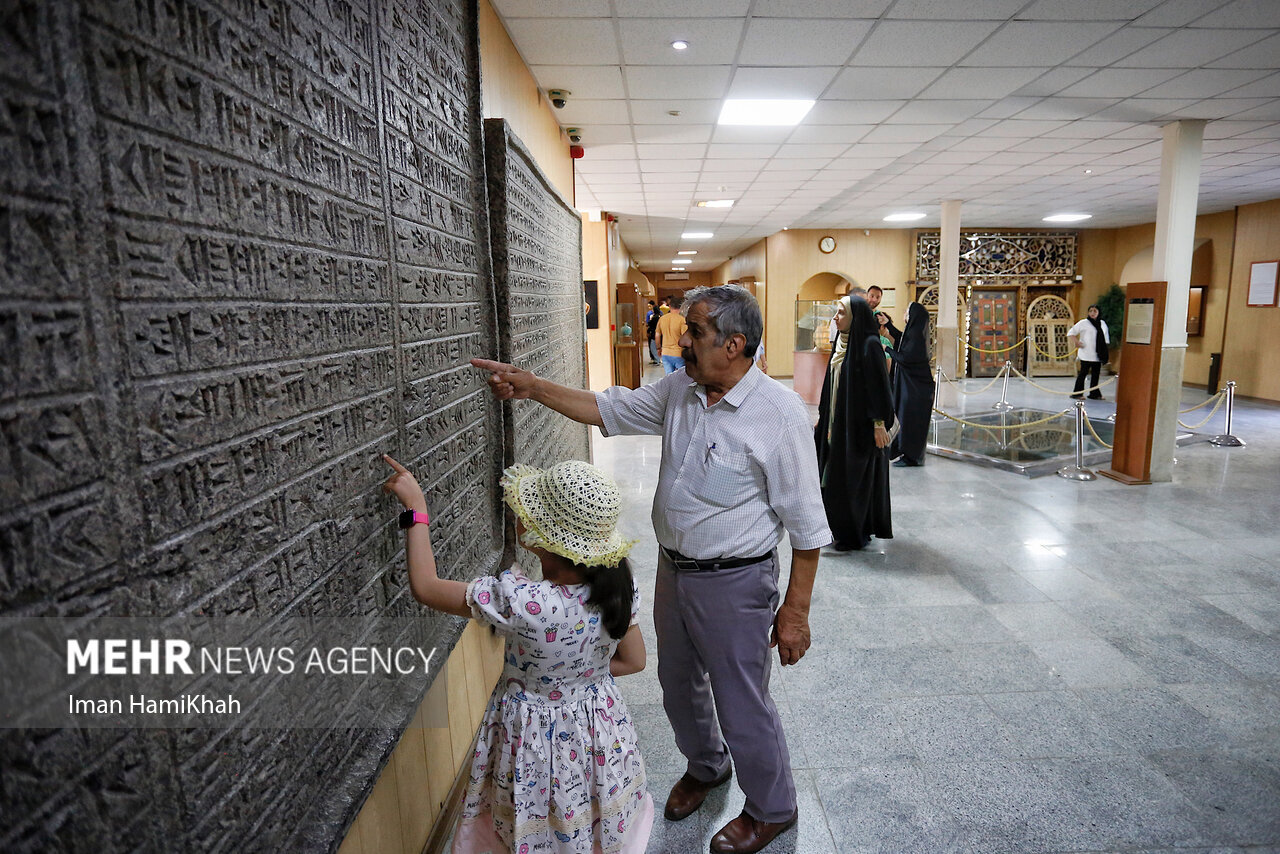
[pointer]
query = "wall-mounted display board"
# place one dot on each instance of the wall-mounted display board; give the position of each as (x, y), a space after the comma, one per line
(1139, 383)
(1262, 282)
(247, 251)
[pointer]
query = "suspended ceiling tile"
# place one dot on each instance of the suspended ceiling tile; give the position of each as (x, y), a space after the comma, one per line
(691, 133)
(1266, 87)
(660, 81)
(712, 41)
(988, 83)
(993, 10)
(1023, 129)
(1260, 54)
(749, 135)
(604, 134)
(820, 8)
(1087, 10)
(948, 111)
(815, 134)
(1119, 82)
(1025, 43)
(1190, 48)
(1244, 13)
(561, 8)
(584, 81)
(807, 83)
(1051, 82)
(1070, 109)
(1142, 109)
(1008, 107)
(580, 111)
(726, 149)
(681, 8)
(1204, 83)
(827, 150)
(914, 43)
(702, 111)
(889, 133)
(799, 41)
(565, 41)
(613, 152)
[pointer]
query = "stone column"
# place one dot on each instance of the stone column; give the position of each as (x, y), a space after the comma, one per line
(1171, 262)
(947, 347)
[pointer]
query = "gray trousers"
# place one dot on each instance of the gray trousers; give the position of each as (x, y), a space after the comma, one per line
(713, 664)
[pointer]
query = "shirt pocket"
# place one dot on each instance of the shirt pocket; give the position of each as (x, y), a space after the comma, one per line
(727, 479)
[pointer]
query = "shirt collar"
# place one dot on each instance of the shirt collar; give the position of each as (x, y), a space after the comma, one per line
(738, 393)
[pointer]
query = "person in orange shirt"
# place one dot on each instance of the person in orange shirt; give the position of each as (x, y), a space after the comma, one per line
(670, 328)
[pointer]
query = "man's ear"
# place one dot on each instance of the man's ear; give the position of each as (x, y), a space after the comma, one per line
(737, 343)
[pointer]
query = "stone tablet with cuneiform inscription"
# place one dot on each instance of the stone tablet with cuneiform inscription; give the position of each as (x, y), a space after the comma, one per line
(246, 252)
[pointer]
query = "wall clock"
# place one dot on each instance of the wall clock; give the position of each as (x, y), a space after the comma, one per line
(827, 244)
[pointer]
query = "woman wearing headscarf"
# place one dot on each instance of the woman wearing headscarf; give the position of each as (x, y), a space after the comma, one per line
(853, 419)
(1091, 337)
(912, 389)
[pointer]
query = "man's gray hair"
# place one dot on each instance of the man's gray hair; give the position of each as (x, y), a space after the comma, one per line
(733, 310)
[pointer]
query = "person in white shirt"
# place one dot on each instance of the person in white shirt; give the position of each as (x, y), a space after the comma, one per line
(738, 472)
(1091, 337)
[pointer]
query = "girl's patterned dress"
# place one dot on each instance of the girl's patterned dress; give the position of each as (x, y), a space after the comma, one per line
(557, 767)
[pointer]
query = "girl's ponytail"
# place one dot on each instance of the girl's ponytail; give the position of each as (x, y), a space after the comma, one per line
(612, 588)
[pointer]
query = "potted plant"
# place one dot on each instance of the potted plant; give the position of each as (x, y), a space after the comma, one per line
(1111, 310)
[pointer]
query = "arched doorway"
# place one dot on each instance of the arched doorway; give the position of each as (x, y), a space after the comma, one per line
(1048, 319)
(815, 306)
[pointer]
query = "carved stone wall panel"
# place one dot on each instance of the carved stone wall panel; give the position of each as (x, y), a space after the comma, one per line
(246, 251)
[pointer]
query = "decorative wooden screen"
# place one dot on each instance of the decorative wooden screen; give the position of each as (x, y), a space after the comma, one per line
(1048, 319)
(1039, 257)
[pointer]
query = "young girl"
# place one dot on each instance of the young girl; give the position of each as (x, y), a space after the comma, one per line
(556, 767)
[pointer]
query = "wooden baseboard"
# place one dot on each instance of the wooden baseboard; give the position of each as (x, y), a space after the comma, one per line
(442, 830)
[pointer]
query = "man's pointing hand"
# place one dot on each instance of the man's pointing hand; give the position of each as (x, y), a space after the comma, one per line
(507, 381)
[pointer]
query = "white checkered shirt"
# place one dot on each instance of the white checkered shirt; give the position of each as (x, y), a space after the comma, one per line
(735, 475)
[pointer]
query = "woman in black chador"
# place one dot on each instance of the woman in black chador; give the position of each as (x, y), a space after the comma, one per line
(853, 417)
(912, 389)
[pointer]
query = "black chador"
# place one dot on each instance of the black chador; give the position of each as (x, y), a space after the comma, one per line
(913, 388)
(855, 394)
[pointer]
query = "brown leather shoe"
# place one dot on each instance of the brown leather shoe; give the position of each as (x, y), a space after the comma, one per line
(746, 835)
(689, 792)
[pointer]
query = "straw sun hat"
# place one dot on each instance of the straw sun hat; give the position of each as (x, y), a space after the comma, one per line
(570, 509)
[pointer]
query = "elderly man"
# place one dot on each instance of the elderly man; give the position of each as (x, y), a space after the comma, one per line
(737, 470)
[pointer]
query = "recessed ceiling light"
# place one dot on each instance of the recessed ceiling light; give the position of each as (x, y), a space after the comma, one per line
(681, 261)
(697, 235)
(687, 252)
(1088, 171)
(716, 203)
(1067, 217)
(739, 111)
(904, 217)
(680, 44)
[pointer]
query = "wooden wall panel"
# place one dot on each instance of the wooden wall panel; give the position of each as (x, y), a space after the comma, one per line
(1251, 354)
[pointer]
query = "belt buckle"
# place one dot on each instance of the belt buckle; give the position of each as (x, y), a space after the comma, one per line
(682, 564)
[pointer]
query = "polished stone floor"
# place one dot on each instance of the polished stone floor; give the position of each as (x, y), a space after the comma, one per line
(1030, 664)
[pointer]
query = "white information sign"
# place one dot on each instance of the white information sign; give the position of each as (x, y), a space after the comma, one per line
(1138, 325)
(1262, 282)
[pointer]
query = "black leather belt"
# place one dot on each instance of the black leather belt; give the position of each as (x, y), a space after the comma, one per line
(688, 564)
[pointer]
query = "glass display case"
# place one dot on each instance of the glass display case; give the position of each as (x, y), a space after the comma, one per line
(624, 324)
(813, 320)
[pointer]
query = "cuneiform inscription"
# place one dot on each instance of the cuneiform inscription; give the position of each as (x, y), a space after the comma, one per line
(441, 389)
(425, 247)
(224, 476)
(144, 87)
(195, 337)
(430, 425)
(413, 201)
(272, 50)
(45, 348)
(40, 245)
(421, 285)
(157, 177)
(189, 411)
(44, 547)
(33, 146)
(49, 446)
(439, 354)
(162, 261)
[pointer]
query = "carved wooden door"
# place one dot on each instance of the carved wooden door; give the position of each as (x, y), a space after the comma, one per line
(993, 326)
